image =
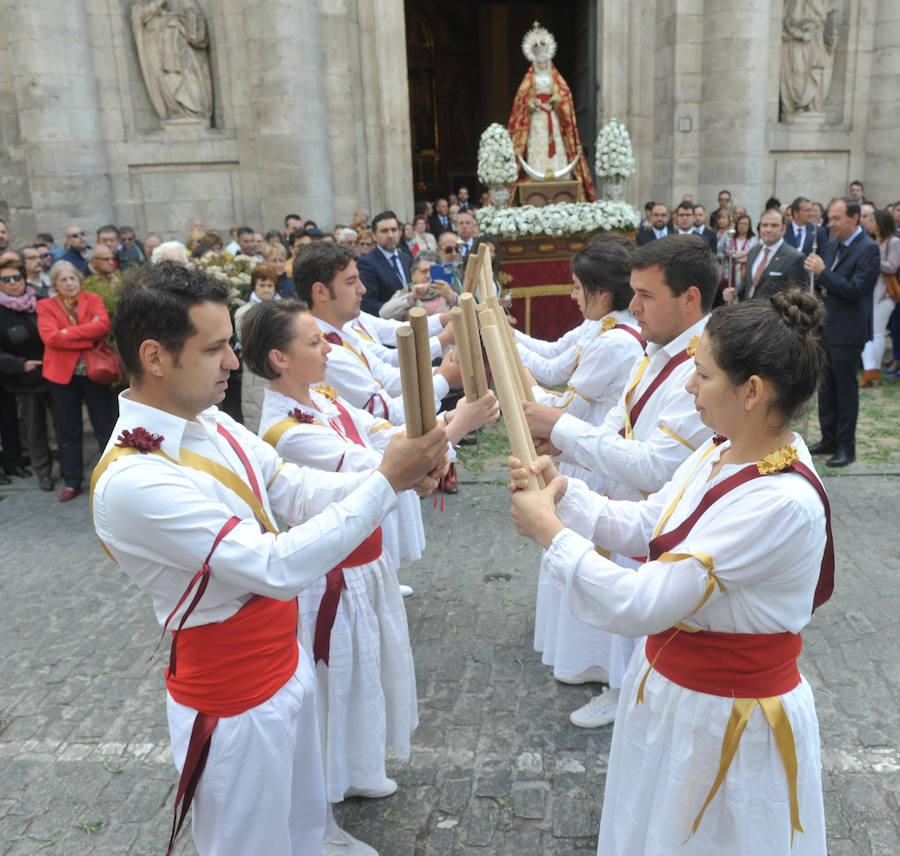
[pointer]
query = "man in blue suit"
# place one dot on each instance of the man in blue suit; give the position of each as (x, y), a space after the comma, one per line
(846, 274)
(800, 231)
(386, 269)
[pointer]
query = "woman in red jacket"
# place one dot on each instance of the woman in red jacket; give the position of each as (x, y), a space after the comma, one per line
(69, 325)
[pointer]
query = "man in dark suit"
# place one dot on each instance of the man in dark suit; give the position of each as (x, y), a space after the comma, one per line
(385, 269)
(659, 225)
(440, 221)
(701, 229)
(724, 205)
(801, 230)
(846, 274)
(771, 265)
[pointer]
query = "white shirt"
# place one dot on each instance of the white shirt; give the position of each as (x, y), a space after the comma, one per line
(766, 539)
(762, 252)
(554, 365)
(647, 462)
(359, 374)
(603, 366)
(380, 334)
(159, 519)
(559, 346)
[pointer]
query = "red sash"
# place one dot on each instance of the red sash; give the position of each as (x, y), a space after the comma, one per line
(544, 98)
(667, 369)
(368, 551)
(732, 665)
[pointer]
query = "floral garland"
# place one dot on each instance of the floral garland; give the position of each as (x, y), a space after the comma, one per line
(496, 157)
(614, 160)
(232, 270)
(562, 218)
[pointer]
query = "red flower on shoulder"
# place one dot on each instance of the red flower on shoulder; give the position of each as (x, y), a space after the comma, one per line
(300, 416)
(140, 439)
(333, 339)
(718, 439)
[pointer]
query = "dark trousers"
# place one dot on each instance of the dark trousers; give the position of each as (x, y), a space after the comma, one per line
(894, 325)
(35, 407)
(9, 431)
(67, 399)
(839, 395)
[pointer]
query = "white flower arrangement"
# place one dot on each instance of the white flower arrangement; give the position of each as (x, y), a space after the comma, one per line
(496, 157)
(232, 270)
(563, 218)
(615, 158)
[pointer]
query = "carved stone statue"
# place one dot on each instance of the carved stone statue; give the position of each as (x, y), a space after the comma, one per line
(172, 49)
(808, 43)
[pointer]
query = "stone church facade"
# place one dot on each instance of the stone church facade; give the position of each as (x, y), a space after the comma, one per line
(153, 112)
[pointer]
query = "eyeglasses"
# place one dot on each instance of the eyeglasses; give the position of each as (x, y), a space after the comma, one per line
(75, 235)
(8, 279)
(45, 255)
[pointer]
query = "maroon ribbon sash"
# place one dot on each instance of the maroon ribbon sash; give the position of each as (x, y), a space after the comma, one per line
(636, 335)
(667, 369)
(666, 541)
(544, 98)
(368, 551)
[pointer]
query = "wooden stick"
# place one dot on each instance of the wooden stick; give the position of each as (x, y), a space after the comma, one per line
(468, 306)
(486, 274)
(520, 377)
(409, 381)
(510, 404)
(418, 321)
(470, 279)
(464, 352)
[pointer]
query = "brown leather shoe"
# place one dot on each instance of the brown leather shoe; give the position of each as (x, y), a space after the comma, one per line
(69, 493)
(870, 377)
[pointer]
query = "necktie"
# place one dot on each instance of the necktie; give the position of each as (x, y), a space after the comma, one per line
(396, 265)
(838, 255)
(761, 267)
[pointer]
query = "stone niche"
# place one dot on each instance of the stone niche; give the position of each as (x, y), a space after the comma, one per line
(169, 194)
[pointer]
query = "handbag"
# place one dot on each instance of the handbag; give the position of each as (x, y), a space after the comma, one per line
(893, 286)
(102, 364)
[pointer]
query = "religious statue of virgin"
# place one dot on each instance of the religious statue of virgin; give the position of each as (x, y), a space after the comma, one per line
(542, 123)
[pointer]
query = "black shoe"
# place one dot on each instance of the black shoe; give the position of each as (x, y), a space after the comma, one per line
(823, 447)
(19, 471)
(46, 482)
(841, 457)
(469, 439)
(4, 480)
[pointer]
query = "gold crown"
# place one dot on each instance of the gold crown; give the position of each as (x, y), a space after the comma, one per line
(538, 42)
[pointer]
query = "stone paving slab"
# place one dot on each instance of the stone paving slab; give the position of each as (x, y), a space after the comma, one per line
(496, 768)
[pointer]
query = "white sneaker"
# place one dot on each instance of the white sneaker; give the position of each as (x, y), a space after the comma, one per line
(346, 845)
(406, 591)
(389, 787)
(591, 675)
(600, 710)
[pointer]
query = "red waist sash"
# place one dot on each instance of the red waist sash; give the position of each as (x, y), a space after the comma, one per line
(228, 667)
(733, 665)
(368, 551)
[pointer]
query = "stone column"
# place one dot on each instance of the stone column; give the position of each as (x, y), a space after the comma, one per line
(736, 55)
(882, 163)
(284, 126)
(55, 90)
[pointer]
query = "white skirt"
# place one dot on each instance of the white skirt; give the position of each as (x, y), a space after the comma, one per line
(664, 759)
(403, 530)
(565, 642)
(367, 693)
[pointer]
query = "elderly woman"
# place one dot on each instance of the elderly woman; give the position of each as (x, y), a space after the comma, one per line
(263, 282)
(170, 251)
(435, 296)
(21, 352)
(71, 324)
(739, 554)
(422, 239)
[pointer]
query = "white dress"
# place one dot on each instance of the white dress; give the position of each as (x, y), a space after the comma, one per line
(601, 367)
(766, 539)
(367, 692)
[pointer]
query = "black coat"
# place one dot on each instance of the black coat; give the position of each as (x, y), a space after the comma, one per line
(19, 341)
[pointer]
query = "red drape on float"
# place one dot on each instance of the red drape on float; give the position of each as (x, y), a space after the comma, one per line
(520, 124)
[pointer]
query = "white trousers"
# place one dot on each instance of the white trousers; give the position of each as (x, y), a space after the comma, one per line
(263, 788)
(874, 349)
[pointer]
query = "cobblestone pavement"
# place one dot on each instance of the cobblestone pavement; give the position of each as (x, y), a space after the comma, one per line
(496, 768)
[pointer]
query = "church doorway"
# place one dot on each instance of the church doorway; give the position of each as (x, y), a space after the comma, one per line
(465, 65)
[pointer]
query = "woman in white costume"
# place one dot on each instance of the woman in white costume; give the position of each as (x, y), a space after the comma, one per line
(715, 747)
(596, 370)
(364, 665)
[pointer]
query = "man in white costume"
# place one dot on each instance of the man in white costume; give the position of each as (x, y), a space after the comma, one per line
(655, 426)
(184, 500)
